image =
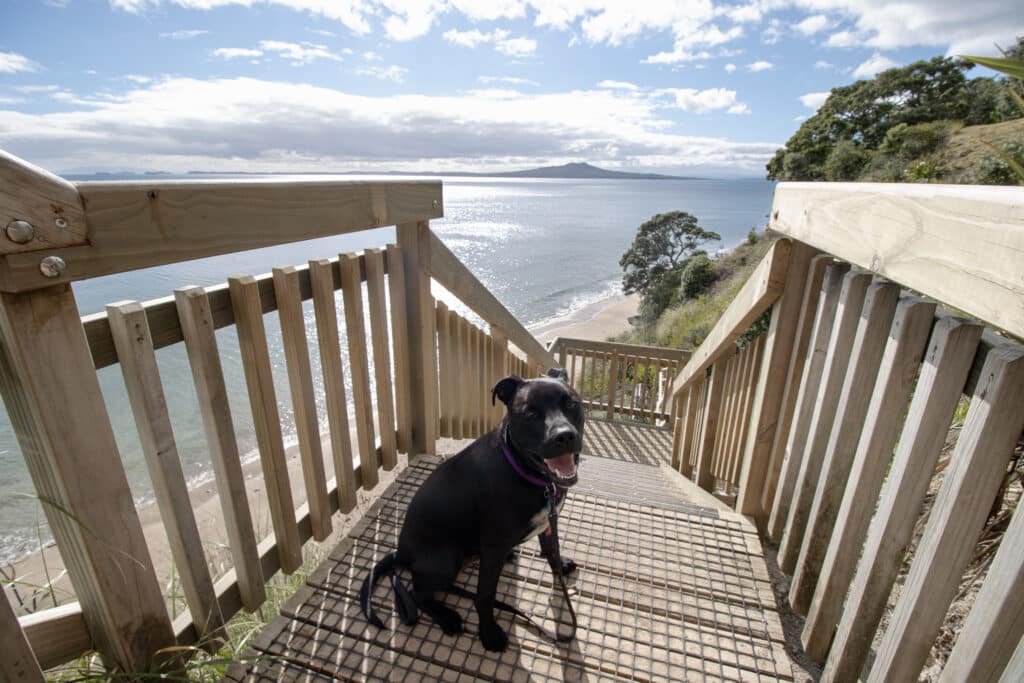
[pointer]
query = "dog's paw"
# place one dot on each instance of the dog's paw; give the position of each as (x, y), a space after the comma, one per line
(448, 619)
(568, 567)
(493, 637)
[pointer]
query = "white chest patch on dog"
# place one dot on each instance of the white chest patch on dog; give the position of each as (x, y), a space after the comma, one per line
(539, 521)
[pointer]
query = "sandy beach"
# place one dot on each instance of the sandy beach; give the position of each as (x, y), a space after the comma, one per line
(596, 321)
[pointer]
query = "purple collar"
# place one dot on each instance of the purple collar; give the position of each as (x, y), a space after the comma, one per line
(536, 481)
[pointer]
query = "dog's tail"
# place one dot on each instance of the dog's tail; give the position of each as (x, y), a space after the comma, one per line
(404, 600)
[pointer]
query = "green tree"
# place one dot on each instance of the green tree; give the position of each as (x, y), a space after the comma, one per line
(660, 250)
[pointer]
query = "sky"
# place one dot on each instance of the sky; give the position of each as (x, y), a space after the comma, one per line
(695, 87)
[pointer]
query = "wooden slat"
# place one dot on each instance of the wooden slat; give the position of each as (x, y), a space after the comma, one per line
(201, 344)
(802, 338)
(689, 419)
(613, 385)
(444, 377)
(149, 408)
(851, 413)
(419, 252)
(698, 426)
(995, 624)
(329, 339)
(593, 394)
(465, 387)
(950, 354)
(459, 391)
(266, 419)
(18, 663)
(1014, 670)
(630, 362)
(498, 371)
(57, 635)
(460, 281)
(751, 362)
(478, 372)
(761, 290)
(359, 367)
(729, 413)
(977, 467)
(136, 225)
(712, 414)
(959, 244)
(300, 382)
(377, 302)
(844, 329)
(807, 396)
(558, 345)
(400, 342)
(30, 194)
(892, 391)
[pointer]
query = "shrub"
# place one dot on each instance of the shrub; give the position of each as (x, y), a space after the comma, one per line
(923, 171)
(846, 161)
(696, 278)
(914, 141)
(996, 170)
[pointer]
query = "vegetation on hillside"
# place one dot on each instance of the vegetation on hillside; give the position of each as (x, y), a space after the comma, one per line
(899, 126)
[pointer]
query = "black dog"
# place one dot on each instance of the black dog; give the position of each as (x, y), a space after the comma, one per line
(486, 500)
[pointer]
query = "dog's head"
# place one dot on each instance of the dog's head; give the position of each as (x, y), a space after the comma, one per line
(544, 423)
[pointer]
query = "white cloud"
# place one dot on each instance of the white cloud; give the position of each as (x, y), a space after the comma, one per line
(760, 66)
(739, 109)
(322, 32)
(813, 24)
(472, 38)
(509, 80)
(800, 118)
(304, 53)
(845, 39)
(516, 47)
(11, 100)
(876, 63)
(618, 85)
(384, 73)
(31, 89)
(371, 56)
(729, 68)
(236, 52)
(513, 47)
(184, 34)
(814, 100)
(683, 49)
(170, 125)
(822, 64)
(12, 63)
(704, 101)
(135, 78)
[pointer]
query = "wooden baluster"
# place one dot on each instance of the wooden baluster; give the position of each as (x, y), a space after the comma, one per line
(359, 368)
(19, 663)
(750, 384)
(458, 356)
(613, 384)
(466, 387)
(851, 412)
(300, 381)
(807, 396)
(735, 411)
(593, 396)
(415, 239)
(478, 381)
(572, 369)
(498, 371)
(977, 468)
(321, 277)
(444, 376)
(376, 299)
(951, 351)
(698, 427)
(201, 344)
(400, 343)
(726, 415)
(712, 414)
(134, 343)
(689, 422)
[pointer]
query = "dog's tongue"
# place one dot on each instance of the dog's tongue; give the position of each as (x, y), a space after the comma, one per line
(563, 466)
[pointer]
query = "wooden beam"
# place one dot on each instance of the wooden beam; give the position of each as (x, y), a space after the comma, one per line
(559, 344)
(959, 244)
(136, 225)
(419, 248)
(18, 663)
(762, 289)
(447, 269)
(47, 203)
(712, 411)
(57, 635)
(59, 416)
(359, 368)
(400, 341)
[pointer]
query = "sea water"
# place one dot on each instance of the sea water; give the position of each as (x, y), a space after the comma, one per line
(545, 247)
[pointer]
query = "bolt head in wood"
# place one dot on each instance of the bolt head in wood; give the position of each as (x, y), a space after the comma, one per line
(20, 232)
(436, 204)
(60, 223)
(52, 266)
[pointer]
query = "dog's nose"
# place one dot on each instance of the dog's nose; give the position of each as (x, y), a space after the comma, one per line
(567, 438)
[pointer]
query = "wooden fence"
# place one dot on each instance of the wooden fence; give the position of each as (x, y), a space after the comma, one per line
(843, 406)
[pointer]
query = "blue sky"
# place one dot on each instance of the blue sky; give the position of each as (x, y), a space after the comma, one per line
(696, 87)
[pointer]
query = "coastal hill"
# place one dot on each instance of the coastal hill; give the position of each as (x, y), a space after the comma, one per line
(578, 170)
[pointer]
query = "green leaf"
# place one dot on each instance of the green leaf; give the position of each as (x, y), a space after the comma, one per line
(1010, 67)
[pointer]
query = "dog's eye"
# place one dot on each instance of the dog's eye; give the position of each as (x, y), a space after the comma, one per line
(573, 405)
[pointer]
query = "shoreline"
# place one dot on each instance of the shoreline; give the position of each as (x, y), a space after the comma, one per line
(598, 320)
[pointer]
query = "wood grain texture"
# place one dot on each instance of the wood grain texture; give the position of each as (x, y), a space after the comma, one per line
(806, 399)
(266, 418)
(823, 421)
(400, 342)
(950, 354)
(149, 408)
(30, 194)
(962, 245)
(993, 424)
(300, 383)
(58, 415)
(686, 437)
(377, 302)
(418, 245)
(559, 344)
(1014, 670)
(212, 395)
(359, 368)
(897, 374)
(712, 414)
(613, 385)
(444, 377)
(57, 635)
(18, 663)
(326, 312)
(136, 225)
(771, 383)
(856, 391)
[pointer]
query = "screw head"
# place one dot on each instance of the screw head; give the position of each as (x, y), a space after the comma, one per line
(20, 232)
(436, 204)
(60, 222)
(52, 266)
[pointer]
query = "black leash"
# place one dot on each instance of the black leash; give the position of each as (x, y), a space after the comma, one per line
(556, 568)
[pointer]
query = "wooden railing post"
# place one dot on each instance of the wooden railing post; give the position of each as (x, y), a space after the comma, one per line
(414, 240)
(58, 414)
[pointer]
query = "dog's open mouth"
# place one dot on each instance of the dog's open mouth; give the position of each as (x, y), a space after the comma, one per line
(564, 468)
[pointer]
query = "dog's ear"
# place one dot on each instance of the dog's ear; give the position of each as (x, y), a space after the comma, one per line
(558, 373)
(505, 389)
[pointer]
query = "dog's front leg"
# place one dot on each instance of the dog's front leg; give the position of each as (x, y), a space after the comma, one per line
(491, 635)
(547, 549)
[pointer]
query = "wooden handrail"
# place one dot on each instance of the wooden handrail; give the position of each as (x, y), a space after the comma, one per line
(959, 244)
(447, 269)
(560, 343)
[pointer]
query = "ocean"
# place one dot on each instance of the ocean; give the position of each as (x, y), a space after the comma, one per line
(545, 247)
